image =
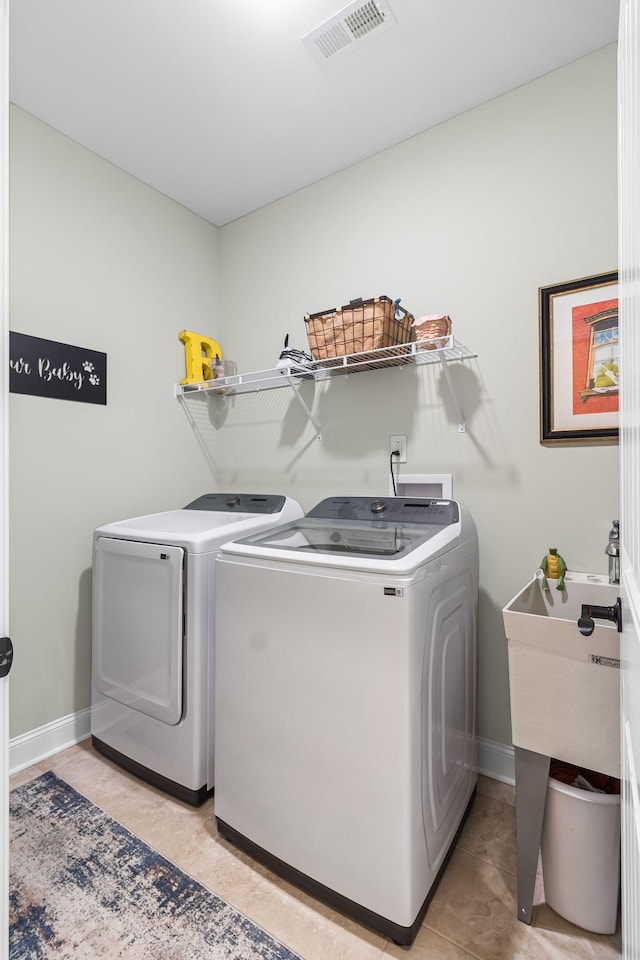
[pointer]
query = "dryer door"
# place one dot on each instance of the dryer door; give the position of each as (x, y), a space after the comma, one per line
(138, 625)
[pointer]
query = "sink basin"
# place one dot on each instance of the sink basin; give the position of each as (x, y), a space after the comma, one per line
(565, 687)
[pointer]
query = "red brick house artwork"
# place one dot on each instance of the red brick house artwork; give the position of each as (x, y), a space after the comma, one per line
(595, 357)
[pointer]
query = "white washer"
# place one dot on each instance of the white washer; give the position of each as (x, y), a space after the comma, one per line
(153, 635)
(345, 727)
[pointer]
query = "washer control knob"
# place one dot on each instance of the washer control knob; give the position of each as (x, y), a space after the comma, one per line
(378, 506)
(233, 501)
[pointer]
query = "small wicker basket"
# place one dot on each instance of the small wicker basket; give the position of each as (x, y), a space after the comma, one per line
(432, 328)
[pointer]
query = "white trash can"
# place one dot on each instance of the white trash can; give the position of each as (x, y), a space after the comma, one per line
(581, 856)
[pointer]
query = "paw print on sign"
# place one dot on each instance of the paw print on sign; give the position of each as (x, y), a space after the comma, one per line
(89, 368)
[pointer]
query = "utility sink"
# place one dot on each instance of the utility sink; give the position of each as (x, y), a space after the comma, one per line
(565, 686)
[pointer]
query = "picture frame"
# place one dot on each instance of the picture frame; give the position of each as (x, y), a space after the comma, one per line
(579, 360)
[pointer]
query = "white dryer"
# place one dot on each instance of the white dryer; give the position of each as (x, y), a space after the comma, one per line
(345, 717)
(153, 635)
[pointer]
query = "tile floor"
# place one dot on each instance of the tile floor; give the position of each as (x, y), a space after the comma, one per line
(471, 916)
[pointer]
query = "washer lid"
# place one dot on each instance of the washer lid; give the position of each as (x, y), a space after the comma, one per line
(359, 528)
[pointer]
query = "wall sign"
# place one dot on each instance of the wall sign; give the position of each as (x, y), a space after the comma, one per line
(46, 368)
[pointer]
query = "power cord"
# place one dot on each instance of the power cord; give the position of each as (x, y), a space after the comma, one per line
(394, 453)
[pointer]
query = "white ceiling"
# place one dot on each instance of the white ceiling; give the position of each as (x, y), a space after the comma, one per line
(219, 105)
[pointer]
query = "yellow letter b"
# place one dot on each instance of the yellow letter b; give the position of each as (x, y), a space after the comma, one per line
(199, 351)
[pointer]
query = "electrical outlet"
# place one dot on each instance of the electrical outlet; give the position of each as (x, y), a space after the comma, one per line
(398, 445)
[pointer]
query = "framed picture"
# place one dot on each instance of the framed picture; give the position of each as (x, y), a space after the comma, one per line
(579, 360)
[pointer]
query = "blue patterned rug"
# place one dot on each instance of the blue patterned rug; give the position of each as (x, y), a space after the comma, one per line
(82, 886)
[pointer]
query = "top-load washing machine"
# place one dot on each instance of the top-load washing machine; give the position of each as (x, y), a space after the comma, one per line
(345, 716)
(153, 635)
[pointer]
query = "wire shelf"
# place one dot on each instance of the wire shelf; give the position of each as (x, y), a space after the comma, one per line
(445, 350)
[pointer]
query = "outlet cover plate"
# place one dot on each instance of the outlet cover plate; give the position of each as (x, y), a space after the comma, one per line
(399, 443)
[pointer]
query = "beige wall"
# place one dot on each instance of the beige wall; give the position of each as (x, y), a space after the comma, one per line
(101, 261)
(469, 218)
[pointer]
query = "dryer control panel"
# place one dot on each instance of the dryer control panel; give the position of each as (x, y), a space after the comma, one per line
(390, 509)
(238, 503)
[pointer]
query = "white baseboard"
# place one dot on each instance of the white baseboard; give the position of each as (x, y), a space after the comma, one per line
(495, 760)
(36, 745)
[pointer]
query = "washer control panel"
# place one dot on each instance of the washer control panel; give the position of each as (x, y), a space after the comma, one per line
(389, 509)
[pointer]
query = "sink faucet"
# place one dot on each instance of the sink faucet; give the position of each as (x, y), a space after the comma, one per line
(586, 626)
(612, 550)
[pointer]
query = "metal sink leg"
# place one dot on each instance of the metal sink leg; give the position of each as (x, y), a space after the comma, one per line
(532, 774)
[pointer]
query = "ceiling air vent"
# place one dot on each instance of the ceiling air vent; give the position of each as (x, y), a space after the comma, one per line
(347, 30)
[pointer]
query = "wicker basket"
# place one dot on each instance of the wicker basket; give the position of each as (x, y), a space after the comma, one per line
(432, 328)
(358, 327)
